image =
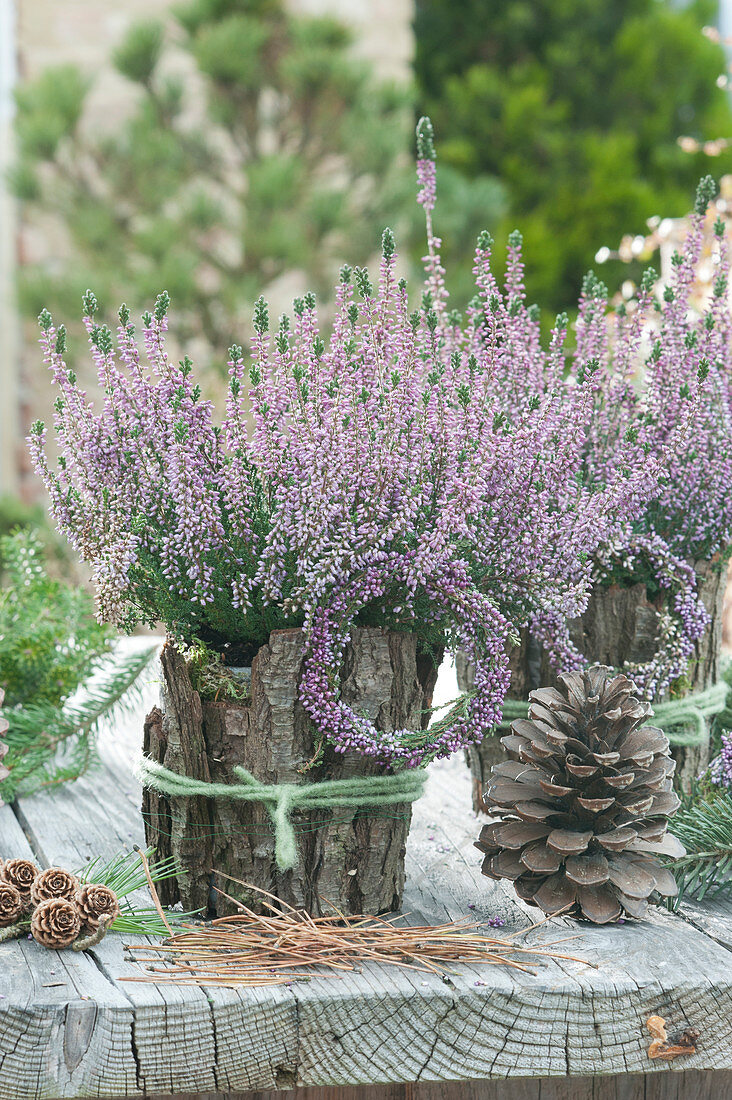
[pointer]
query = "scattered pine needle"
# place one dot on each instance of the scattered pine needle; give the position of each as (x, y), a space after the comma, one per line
(151, 887)
(279, 947)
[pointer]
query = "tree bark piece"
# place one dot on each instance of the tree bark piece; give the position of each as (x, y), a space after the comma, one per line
(620, 625)
(525, 662)
(353, 858)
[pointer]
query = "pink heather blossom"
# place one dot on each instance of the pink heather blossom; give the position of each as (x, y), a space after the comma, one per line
(409, 470)
(660, 374)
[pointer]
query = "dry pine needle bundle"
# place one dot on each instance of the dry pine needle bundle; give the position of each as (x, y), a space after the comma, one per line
(288, 945)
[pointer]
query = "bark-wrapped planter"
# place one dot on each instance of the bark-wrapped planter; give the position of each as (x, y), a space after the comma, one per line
(350, 856)
(619, 626)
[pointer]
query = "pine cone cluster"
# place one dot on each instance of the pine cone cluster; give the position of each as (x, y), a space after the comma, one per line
(583, 802)
(62, 910)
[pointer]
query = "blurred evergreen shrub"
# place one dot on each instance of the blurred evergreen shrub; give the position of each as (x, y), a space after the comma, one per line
(576, 107)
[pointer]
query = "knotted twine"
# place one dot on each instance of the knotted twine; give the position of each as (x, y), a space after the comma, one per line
(676, 714)
(281, 800)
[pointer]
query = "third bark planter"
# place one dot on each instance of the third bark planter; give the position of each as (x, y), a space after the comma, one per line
(620, 625)
(351, 855)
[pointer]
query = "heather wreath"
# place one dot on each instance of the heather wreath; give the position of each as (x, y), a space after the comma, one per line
(375, 474)
(658, 372)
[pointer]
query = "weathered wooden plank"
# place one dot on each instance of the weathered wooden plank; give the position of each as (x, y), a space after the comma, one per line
(691, 1085)
(99, 816)
(713, 916)
(65, 1028)
(183, 1037)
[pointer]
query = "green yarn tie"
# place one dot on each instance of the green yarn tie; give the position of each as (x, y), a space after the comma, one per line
(679, 714)
(281, 800)
(692, 710)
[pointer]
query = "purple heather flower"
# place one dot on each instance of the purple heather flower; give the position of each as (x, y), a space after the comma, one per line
(407, 469)
(658, 379)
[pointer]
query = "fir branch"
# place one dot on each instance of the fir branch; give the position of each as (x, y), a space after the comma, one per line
(50, 745)
(116, 689)
(705, 829)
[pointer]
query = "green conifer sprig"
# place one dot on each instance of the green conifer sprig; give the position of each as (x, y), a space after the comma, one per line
(705, 830)
(125, 874)
(50, 647)
(51, 744)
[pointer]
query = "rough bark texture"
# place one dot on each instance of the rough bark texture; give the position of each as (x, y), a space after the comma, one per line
(353, 858)
(525, 662)
(620, 625)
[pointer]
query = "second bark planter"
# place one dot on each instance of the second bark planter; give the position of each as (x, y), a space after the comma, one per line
(320, 826)
(621, 627)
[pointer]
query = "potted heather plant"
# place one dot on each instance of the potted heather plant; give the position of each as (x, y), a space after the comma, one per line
(363, 504)
(660, 372)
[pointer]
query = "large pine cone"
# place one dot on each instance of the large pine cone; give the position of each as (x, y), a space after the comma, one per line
(95, 901)
(54, 883)
(56, 923)
(584, 802)
(12, 905)
(21, 874)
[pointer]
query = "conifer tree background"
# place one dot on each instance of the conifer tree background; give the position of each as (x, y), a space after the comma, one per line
(259, 151)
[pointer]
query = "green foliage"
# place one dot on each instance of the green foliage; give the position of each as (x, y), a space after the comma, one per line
(51, 743)
(49, 110)
(576, 107)
(14, 514)
(704, 826)
(211, 678)
(138, 55)
(465, 207)
(49, 639)
(51, 646)
(125, 874)
(269, 147)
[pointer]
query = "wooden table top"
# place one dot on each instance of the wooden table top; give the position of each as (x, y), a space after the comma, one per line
(70, 1028)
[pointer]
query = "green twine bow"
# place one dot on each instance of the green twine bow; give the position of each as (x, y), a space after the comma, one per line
(679, 714)
(281, 800)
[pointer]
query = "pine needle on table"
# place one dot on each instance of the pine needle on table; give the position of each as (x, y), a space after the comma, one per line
(279, 947)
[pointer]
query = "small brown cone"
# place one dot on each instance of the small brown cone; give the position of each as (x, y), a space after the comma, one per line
(55, 923)
(20, 873)
(11, 904)
(54, 883)
(96, 901)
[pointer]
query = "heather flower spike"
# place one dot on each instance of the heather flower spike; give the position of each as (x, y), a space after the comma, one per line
(425, 140)
(404, 469)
